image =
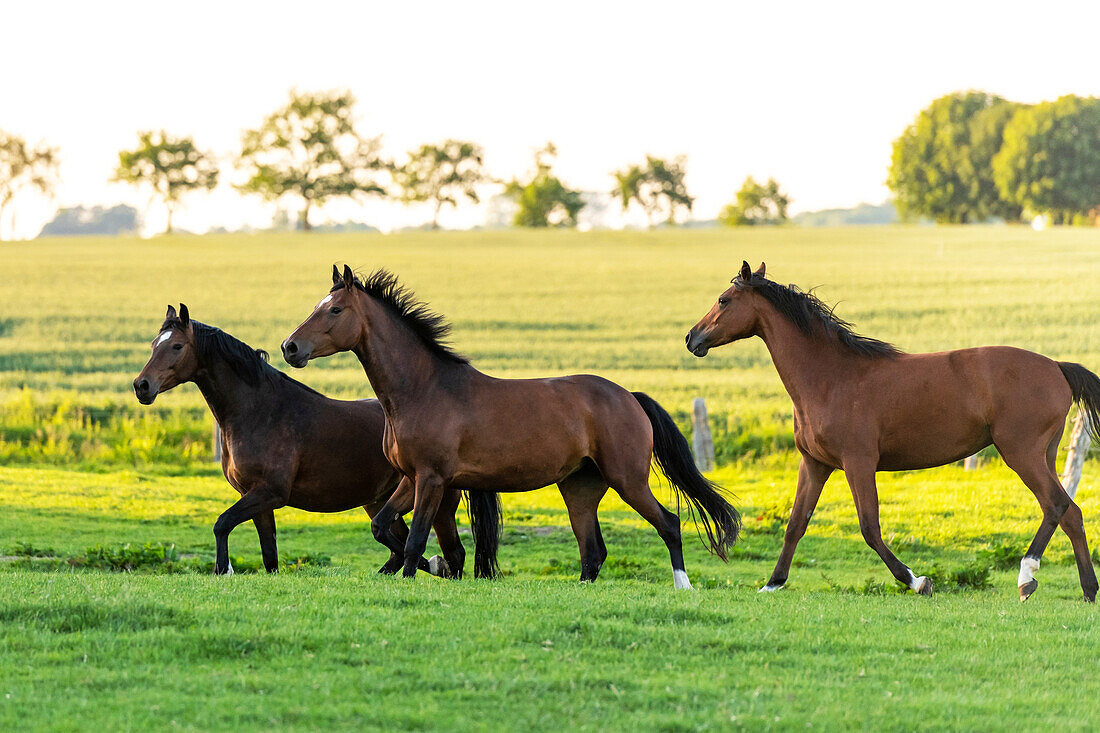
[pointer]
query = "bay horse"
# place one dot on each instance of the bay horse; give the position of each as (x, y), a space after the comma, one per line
(448, 425)
(285, 444)
(862, 405)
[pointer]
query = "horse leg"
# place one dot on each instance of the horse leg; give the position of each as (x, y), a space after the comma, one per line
(582, 492)
(1058, 509)
(812, 476)
(265, 528)
(446, 532)
(255, 502)
(429, 494)
(865, 494)
(667, 524)
(387, 518)
(400, 531)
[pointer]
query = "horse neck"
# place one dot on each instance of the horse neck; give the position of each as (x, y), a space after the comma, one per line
(401, 369)
(807, 365)
(229, 397)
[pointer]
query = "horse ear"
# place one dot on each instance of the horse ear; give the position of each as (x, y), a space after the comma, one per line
(760, 270)
(185, 317)
(746, 271)
(170, 314)
(336, 280)
(349, 277)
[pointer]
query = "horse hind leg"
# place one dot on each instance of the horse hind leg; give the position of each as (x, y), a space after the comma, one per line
(450, 565)
(582, 492)
(638, 496)
(861, 480)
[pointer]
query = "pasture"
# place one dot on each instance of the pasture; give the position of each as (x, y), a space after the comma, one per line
(85, 470)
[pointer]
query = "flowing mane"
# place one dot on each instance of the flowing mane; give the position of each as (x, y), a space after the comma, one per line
(428, 325)
(809, 312)
(247, 363)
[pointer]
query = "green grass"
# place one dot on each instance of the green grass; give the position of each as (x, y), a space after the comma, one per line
(76, 316)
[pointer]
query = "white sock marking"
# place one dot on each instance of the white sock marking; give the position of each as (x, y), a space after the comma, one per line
(230, 571)
(1028, 566)
(915, 582)
(771, 588)
(680, 580)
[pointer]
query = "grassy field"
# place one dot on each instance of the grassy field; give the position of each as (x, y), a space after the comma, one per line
(76, 316)
(90, 480)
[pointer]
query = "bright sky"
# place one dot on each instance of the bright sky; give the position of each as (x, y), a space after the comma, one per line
(811, 93)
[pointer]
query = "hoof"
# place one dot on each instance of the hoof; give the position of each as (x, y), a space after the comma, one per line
(925, 587)
(437, 566)
(1027, 589)
(772, 588)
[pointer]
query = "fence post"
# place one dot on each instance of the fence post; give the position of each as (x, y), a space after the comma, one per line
(701, 442)
(970, 462)
(1079, 441)
(217, 442)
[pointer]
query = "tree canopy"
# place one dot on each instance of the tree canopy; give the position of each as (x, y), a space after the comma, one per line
(441, 174)
(24, 167)
(311, 149)
(544, 200)
(941, 166)
(757, 204)
(1050, 160)
(657, 186)
(170, 166)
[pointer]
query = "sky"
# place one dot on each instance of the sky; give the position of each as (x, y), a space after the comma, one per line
(812, 94)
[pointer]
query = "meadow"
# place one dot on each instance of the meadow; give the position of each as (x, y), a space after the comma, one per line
(92, 483)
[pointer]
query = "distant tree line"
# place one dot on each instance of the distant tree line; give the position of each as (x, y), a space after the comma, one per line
(309, 152)
(972, 156)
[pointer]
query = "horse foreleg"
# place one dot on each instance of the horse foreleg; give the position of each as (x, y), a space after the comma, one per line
(812, 476)
(256, 501)
(388, 527)
(865, 493)
(582, 495)
(429, 494)
(265, 528)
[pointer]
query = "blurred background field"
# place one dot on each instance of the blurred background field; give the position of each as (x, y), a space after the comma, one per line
(77, 316)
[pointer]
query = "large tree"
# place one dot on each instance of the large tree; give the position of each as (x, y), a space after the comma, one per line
(657, 187)
(441, 174)
(544, 200)
(170, 166)
(941, 166)
(24, 167)
(1050, 160)
(311, 149)
(757, 204)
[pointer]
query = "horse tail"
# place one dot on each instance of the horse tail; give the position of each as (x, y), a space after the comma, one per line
(673, 456)
(486, 514)
(1085, 387)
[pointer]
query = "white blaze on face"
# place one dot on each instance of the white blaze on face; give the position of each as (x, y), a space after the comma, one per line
(327, 299)
(163, 337)
(1028, 566)
(680, 580)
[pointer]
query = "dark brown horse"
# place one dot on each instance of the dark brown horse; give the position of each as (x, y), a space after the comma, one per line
(450, 426)
(861, 406)
(284, 444)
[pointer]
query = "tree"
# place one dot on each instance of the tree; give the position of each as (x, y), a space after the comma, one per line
(441, 174)
(941, 166)
(657, 187)
(310, 149)
(1050, 160)
(24, 167)
(544, 200)
(94, 220)
(171, 166)
(756, 204)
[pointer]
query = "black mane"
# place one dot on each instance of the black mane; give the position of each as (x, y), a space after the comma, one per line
(247, 363)
(808, 312)
(430, 326)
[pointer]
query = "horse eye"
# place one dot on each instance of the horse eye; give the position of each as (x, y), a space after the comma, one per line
(723, 301)
(335, 310)
(177, 347)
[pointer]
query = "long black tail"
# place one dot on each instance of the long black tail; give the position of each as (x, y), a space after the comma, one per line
(1085, 387)
(486, 514)
(673, 455)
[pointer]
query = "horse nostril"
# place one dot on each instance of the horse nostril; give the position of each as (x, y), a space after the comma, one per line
(290, 347)
(143, 385)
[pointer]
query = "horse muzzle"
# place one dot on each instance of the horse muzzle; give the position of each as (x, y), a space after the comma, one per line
(295, 354)
(696, 343)
(144, 391)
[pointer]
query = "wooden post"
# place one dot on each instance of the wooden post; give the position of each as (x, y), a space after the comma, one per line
(701, 442)
(217, 443)
(970, 462)
(1079, 441)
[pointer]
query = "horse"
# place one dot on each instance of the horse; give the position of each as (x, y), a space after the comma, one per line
(862, 405)
(285, 444)
(449, 425)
